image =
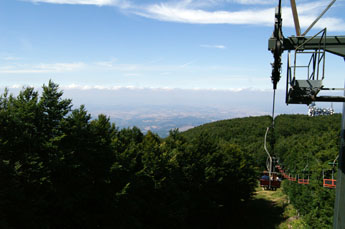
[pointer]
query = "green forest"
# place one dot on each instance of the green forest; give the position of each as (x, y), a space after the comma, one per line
(62, 168)
(307, 147)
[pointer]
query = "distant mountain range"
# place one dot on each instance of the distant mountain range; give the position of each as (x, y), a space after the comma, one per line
(161, 119)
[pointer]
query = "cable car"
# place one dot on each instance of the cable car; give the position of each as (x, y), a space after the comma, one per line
(270, 183)
(304, 172)
(285, 175)
(329, 183)
(303, 181)
(292, 178)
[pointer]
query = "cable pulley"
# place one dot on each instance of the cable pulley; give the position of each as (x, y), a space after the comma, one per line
(277, 51)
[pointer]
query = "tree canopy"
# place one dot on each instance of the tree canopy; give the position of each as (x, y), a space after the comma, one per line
(61, 168)
(306, 146)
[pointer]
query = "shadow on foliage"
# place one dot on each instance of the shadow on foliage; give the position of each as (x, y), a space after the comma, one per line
(261, 213)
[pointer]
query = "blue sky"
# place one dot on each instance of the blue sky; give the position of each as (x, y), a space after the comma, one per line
(159, 45)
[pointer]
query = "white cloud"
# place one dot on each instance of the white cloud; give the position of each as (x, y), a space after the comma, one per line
(107, 64)
(219, 3)
(113, 67)
(189, 13)
(118, 3)
(100, 87)
(166, 12)
(307, 13)
(132, 74)
(213, 46)
(131, 87)
(42, 68)
(187, 64)
(16, 86)
(255, 2)
(194, 12)
(61, 67)
(134, 69)
(10, 58)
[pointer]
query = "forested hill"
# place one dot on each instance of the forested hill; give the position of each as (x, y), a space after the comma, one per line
(61, 168)
(306, 147)
(248, 133)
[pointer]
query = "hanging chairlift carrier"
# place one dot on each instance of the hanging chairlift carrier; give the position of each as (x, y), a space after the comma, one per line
(272, 183)
(329, 183)
(291, 178)
(303, 181)
(305, 174)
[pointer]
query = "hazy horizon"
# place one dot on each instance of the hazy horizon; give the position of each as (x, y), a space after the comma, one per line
(160, 110)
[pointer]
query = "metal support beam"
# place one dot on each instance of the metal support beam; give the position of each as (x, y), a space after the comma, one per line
(339, 205)
(295, 17)
(330, 99)
(318, 18)
(334, 44)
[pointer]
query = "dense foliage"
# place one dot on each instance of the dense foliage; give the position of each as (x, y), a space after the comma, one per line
(247, 133)
(59, 168)
(305, 146)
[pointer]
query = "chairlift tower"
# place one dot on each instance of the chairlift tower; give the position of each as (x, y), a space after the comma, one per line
(305, 89)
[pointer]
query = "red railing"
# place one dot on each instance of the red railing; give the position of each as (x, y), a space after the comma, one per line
(329, 183)
(303, 181)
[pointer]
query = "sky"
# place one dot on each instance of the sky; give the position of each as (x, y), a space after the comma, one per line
(208, 46)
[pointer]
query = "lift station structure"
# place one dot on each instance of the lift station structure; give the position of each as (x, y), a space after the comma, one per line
(304, 89)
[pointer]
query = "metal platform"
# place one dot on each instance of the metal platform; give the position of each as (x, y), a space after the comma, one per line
(303, 91)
